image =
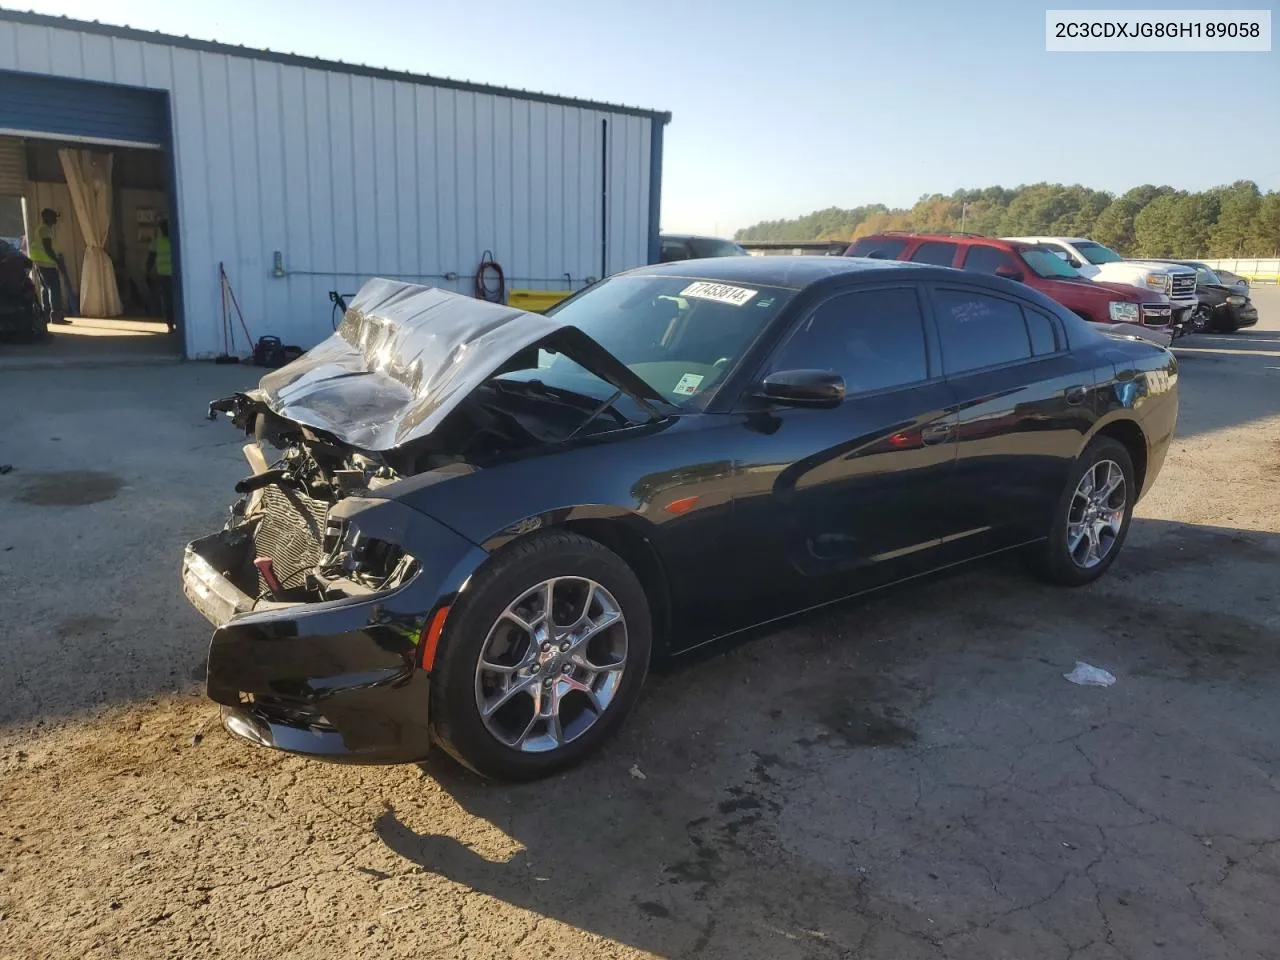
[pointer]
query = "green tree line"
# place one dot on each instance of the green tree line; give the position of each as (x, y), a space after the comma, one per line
(1148, 221)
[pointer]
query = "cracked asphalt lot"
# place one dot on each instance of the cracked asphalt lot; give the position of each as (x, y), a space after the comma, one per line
(905, 777)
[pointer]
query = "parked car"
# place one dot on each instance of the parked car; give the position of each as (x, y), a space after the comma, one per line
(482, 524)
(1132, 310)
(21, 317)
(685, 247)
(1223, 307)
(1102, 264)
(1234, 280)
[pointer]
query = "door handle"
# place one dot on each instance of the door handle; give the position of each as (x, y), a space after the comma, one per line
(1076, 395)
(935, 433)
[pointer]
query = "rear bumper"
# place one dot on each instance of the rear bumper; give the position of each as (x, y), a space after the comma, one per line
(337, 679)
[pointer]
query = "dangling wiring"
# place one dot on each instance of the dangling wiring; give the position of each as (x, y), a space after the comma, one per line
(491, 284)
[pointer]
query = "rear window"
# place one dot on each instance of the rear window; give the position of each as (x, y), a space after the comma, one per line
(1041, 330)
(983, 259)
(1096, 253)
(979, 331)
(879, 248)
(935, 252)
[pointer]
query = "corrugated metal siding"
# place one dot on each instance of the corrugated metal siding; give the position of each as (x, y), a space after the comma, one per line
(13, 167)
(354, 176)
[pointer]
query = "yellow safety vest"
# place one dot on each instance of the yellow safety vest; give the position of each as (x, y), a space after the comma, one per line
(37, 252)
(163, 249)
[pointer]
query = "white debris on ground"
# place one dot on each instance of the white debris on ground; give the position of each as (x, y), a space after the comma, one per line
(1087, 675)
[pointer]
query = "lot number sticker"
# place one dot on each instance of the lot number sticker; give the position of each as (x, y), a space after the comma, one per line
(719, 292)
(688, 384)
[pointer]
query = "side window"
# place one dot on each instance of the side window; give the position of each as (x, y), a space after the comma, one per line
(988, 260)
(881, 248)
(935, 252)
(1041, 330)
(978, 330)
(872, 338)
(673, 250)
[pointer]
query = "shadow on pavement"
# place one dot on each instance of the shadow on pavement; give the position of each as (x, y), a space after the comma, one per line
(912, 776)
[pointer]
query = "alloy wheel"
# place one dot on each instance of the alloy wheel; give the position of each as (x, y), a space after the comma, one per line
(551, 664)
(1097, 514)
(1200, 319)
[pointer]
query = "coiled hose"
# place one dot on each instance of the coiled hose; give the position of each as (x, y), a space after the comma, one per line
(491, 283)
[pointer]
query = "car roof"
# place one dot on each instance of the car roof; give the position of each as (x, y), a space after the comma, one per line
(956, 238)
(806, 272)
(692, 236)
(793, 272)
(1043, 239)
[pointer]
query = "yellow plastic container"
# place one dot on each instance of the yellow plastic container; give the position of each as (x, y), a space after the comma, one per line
(536, 301)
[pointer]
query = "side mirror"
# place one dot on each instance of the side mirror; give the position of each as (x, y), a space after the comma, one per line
(1074, 262)
(803, 388)
(1009, 273)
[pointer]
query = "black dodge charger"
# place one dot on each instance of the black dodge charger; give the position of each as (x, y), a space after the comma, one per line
(468, 525)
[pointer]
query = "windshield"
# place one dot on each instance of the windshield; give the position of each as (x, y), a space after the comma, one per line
(1096, 253)
(710, 247)
(679, 335)
(1046, 263)
(1205, 275)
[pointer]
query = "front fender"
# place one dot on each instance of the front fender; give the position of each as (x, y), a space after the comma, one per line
(560, 516)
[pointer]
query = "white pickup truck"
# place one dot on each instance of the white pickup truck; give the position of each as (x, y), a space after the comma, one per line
(1103, 264)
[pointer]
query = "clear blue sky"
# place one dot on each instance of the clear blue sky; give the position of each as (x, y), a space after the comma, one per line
(785, 107)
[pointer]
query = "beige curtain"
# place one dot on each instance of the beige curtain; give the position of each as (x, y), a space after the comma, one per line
(89, 182)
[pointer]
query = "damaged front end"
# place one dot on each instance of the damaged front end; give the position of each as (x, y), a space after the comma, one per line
(321, 609)
(323, 587)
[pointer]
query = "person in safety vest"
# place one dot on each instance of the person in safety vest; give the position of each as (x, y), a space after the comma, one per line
(45, 256)
(160, 266)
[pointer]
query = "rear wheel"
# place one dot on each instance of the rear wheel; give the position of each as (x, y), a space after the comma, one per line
(542, 658)
(1092, 517)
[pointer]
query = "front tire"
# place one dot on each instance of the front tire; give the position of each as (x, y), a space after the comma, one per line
(1092, 516)
(1201, 319)
(541, 659)
(37, 329)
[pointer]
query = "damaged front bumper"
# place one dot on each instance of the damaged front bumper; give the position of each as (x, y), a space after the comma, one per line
(338, 679)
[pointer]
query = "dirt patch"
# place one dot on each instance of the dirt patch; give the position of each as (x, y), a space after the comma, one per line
(83, 625)
(850, 723)
(69, 488)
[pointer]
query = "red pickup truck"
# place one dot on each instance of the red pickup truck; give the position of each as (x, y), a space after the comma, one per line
(1146, 313)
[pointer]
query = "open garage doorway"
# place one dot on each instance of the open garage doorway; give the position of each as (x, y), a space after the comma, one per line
(86, 194)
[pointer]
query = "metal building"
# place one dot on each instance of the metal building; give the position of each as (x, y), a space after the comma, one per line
(303, 176)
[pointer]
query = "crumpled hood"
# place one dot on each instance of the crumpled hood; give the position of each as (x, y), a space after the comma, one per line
(405, 356)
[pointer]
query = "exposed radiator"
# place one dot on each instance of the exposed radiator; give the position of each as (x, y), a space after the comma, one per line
(290, 533)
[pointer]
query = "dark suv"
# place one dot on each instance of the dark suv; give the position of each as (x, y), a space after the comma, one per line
(1149, 313)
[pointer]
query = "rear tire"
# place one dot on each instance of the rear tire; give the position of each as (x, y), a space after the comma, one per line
(1088, 528)
(510, 700)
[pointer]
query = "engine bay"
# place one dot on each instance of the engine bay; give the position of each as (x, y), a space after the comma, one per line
(284, 544)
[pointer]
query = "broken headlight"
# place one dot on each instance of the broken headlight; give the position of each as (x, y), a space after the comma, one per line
(350, 553)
